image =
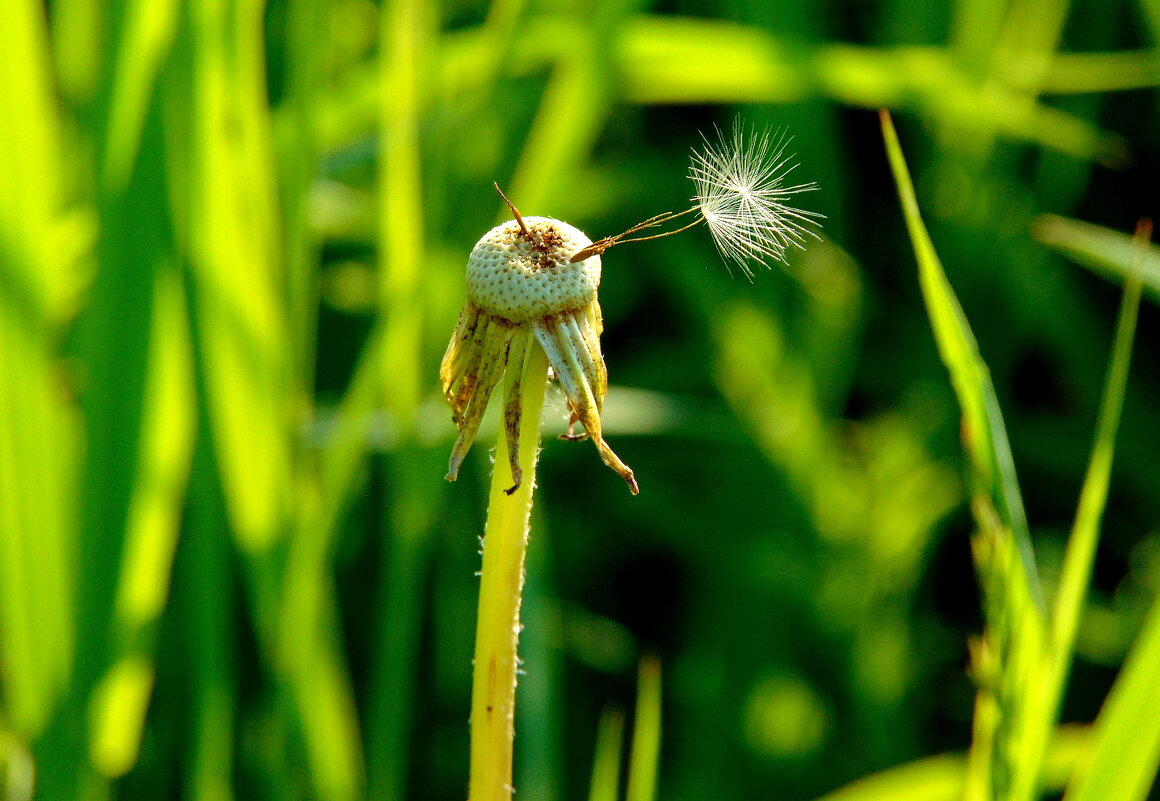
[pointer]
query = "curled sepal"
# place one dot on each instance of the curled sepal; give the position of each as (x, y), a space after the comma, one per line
(513, 402)
(459, 371)
(476, 385)
(583, 377)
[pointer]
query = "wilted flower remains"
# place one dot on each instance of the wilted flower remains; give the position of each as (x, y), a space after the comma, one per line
(523, 292)
(532, 282)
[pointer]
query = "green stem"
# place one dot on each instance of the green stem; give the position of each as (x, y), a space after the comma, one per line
(500, 590)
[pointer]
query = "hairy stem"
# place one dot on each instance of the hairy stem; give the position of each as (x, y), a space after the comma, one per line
(501, 586)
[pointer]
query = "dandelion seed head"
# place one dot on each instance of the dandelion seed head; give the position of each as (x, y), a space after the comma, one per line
(521, 278)
(526, 288)
(743, 194)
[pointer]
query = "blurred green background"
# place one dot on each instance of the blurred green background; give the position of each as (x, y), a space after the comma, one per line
(232, 241)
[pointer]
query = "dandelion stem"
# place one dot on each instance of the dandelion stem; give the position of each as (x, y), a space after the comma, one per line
(500, 591)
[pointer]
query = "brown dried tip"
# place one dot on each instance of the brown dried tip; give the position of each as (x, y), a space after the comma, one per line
(515, 212)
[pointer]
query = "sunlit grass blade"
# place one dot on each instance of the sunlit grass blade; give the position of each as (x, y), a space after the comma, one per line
(1100, 72)
(38, 435)
(667, 60)
(16, 767)
(400, 202)
(605, 784)
(147, 28)
(321, 685)
(36, 530)
(117, 713)
(166, 452)
(1125, 752)
(221, 152)
(77, 48)
(497, 35)
(1010, 735)
(222, 155)
(1081, 545)
(1127, 748)
(984, 434)
(644, 758)
(569, 118)
(942, 777)
(1109, 253)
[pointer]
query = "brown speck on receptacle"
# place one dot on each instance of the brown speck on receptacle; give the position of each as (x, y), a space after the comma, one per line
(550, 239)
(547, 244)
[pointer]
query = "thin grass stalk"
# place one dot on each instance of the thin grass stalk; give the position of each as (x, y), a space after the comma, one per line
(644, 759)
(605, 784)
(1048, 688)
(500, 592)
(1081, 547)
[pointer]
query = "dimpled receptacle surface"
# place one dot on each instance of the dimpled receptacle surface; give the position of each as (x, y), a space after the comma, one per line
(521, 279)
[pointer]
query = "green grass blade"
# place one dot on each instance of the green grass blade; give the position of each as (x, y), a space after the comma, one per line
(166, 453)
(1081, 546)
(670, 60)
(571, 113)
(401, 220)
(942, 777)
(117, 713)
(220, 127)
(222, 153)
(147, 28)
(1127, 748)
(1125, 754)
(38, 433)
(644, 759)
(1012, 719)
(984, 434)
(1107, 253)
(1101, 72)
(605, 784)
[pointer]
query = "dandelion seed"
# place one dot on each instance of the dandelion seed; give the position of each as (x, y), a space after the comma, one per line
(743, 196)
